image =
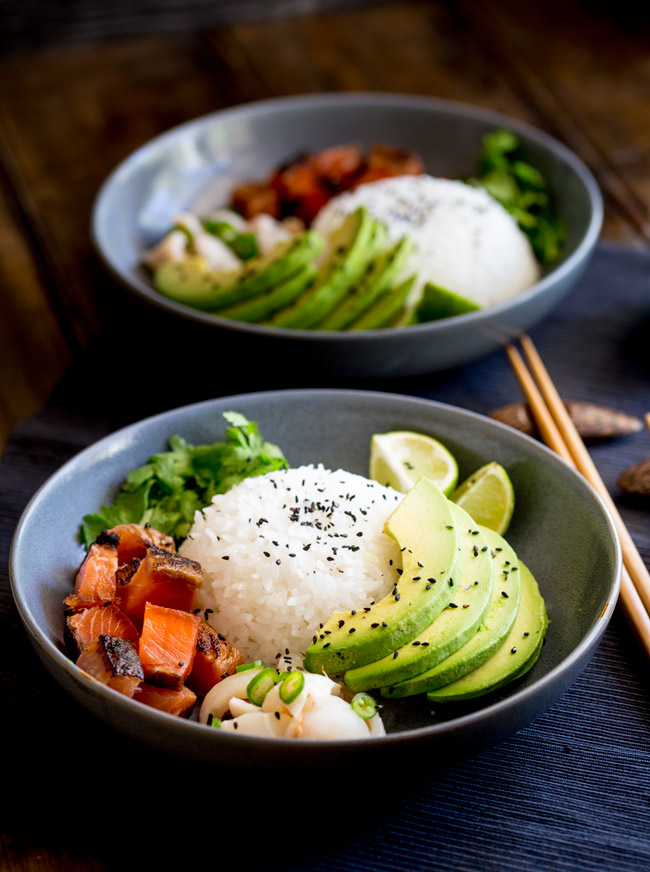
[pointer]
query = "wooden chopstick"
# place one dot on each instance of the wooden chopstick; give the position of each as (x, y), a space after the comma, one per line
(559, 433)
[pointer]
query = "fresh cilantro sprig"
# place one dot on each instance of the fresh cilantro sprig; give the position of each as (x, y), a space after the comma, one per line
(172, 485)
(523, 191)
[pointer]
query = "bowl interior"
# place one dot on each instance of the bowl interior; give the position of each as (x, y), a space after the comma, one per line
(559, 529)
(197, 165)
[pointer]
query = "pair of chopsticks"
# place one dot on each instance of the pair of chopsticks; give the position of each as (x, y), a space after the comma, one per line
(559, 433)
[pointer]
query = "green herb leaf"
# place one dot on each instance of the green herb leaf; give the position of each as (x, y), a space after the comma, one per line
(173, 485)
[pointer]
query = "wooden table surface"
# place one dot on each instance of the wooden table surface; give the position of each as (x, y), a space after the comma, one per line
(68, 115)
(580, 71)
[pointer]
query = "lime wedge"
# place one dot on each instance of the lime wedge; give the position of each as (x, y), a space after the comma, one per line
(488, 497)
(399, 458)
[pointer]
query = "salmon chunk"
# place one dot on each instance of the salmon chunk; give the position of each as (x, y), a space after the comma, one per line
(134, 540)
(215, 658)
(86, 625)
(162, 578)
(174, 702)
(95, 582)
(168, 645)
(114, 662)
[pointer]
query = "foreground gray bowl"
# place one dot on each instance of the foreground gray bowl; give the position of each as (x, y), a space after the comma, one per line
(198, 164)
(560, 530)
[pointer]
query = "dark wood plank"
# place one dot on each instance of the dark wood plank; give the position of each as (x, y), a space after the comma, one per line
(588, 79)
(60, 142)
(33, 349)
(413, 47)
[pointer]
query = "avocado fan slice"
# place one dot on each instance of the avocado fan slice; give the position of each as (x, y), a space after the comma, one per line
(497, 623)
(517, 654)
(351, 251)
(193, 282)
(386, 308)
(380, 275)
(424, 527)
(263, 305)
(438, 302)
(472, 593)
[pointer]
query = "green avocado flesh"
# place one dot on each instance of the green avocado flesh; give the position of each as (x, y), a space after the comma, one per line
(192, 282)
(424, 526)
(380, 275)
(352, 250)
(516, 655)
(386, 308)
(497, 623)
(260, 307)
(471, 595)
(437, 303)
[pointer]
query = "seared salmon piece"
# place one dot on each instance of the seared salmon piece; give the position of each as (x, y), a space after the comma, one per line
(87, 624)
(252, 199)
(134, 540)
(114, 662)
(215, 658)
(168, 645)
(174, 702)
(162, 578)
(95, 582)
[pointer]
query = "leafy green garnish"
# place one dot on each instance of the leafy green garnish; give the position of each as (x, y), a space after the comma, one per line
(244, 245)
(172, 485)
(523, 191)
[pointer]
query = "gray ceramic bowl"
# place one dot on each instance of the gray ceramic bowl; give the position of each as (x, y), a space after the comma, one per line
(197, 165)
(560, 529)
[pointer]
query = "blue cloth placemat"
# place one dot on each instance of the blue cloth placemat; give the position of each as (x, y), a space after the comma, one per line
(569, 792)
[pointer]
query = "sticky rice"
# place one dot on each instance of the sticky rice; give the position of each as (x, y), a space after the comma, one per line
(464, 240)
(283, 551)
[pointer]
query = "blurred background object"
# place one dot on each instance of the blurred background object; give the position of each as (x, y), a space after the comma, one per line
(82, 84)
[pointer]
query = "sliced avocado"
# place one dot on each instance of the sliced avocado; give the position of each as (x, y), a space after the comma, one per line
(472, 592)
(516, 655)
(424, 527)
(502, 611)
(191, 280)
(263, 305)
(437, 303)
(352, 250)
(380, 275)
(386, 308)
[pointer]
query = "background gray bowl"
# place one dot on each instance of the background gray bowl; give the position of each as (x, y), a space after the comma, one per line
(560, 530)
(197, 165)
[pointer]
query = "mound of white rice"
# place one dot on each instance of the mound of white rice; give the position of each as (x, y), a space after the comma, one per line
(464, 240)
(283, 551)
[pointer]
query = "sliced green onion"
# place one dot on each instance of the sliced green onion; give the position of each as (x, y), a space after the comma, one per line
(291, 686)
(260, 685)
(244, 667)
(216, 723)
(364, 706)
(244, 245)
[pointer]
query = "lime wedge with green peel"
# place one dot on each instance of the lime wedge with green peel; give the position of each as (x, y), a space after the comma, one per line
(399, 458)
(488, 497)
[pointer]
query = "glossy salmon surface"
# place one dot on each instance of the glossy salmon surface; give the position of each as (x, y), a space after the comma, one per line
(162, 578)
(87, 624)
(113, 662)
(174, 702)
(167, 645)
(215, 659)
(134, 540)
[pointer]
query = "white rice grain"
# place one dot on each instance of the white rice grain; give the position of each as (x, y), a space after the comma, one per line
(283, 551)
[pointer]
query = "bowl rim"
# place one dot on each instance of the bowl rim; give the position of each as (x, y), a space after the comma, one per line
(510, 704)
(143, 290)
